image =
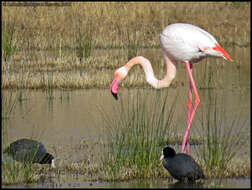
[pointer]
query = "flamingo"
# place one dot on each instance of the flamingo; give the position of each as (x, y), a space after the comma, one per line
(180, 42)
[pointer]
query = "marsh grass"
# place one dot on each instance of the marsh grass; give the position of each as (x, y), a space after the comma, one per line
(49, 89)
(40, 27)
(21, 96)
(8, 44)
(224, 137)
(206, 80)
(60, 51)
(12, 171)
(15, 173)
(74, 32)
(18, 172)
(8, 105)
(212, 69)
(84, 39)
(136, 129)
(132, 45)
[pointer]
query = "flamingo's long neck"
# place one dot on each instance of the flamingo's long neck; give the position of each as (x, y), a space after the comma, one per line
(149, 74)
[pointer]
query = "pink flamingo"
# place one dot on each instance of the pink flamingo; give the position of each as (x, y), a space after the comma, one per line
(180, 42)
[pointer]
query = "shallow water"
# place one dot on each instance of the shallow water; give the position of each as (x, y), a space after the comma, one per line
(62, 119)
(158, 183)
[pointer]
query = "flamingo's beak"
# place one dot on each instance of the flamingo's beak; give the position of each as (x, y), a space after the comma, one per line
(114, 88)
(115, 95)
(223, 52)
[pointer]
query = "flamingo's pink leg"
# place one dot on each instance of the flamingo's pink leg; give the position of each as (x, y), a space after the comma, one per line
(189, 111)
(196, 103)
(189, 106)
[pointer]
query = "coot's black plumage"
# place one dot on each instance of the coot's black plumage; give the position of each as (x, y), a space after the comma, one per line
(181, 166)
(29, 151)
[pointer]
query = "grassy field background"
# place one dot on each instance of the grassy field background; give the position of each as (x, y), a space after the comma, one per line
(74, 31)
(46, 27)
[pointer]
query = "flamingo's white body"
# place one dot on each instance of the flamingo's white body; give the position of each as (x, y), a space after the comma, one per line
(180, 42)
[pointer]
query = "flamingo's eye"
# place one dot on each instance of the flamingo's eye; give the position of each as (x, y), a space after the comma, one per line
(200, 50)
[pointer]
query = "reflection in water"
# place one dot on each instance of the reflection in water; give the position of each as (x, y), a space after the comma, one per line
(186, 185)
(62, 119)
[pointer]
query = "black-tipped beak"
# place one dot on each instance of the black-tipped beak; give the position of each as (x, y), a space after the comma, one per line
(115, 95)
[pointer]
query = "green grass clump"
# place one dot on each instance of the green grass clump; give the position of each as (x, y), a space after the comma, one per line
(16, 173)
(224, 136)
(8, 45)
(135, 131)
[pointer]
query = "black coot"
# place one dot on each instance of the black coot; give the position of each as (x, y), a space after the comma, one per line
(181, 166)
(29, 151)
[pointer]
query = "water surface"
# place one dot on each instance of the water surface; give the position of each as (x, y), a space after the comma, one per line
(61, 119)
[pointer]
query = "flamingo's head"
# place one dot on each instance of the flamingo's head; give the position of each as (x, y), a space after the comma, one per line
(119, 75)
(217, 51)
